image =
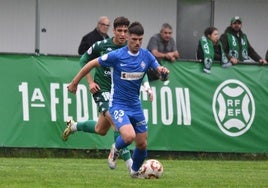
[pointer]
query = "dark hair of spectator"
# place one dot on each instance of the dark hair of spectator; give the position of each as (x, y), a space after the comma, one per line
(209, 31)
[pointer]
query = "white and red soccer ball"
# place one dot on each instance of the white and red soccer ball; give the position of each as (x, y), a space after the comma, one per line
(152, 169)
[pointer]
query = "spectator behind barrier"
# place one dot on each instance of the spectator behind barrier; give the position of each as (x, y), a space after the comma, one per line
(266, 56)
(236, 44)
(98, 34)
(162, 45)
(210, 49)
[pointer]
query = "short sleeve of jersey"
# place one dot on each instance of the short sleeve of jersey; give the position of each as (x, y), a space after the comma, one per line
(107, 60)
(90, 54)
(112, 58)
(94, 50)
(154, 63)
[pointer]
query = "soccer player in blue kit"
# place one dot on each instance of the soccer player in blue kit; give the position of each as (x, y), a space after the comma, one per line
(128, 66)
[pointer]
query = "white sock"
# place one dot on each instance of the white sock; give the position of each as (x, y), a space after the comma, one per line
(74, 127)
(132, 171)
(129, 163)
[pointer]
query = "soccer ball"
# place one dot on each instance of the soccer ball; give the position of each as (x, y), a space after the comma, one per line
(152, 169)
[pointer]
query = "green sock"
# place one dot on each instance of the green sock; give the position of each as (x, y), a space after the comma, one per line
(87, 126)
(124, 152)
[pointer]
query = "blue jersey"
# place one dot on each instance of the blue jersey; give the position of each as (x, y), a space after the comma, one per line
(127, 72)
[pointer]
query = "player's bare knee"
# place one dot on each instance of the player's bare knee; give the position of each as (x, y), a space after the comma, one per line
(142, 145)
(129, 139)
(101, 132)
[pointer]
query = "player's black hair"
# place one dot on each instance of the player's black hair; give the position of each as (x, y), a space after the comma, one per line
(136, 28)
(121, 21)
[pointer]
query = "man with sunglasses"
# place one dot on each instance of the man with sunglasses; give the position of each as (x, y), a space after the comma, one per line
(236, 45)
(98, 34)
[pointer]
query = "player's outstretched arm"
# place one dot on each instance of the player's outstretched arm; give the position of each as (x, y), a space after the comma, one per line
(72, 87)
(93, 86)
(85, 58)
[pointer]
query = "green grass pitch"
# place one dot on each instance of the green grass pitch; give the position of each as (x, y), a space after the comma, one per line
(72, 172)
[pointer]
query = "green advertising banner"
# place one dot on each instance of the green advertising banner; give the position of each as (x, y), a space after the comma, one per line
(225, 111)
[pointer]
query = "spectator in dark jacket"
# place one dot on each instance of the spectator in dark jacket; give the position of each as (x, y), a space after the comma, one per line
(236, 44)
(98, 34)
(210, 49)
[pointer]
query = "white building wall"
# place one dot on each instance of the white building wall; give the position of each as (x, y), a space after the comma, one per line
(66, 21)
(17, 26)
(254, 15)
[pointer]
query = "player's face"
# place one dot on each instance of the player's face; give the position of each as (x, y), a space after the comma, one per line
(120, 33)
(134, 42)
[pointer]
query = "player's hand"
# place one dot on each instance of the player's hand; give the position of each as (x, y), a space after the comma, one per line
(94, 87)
(163, 73)
(72, 87)
(150, 94)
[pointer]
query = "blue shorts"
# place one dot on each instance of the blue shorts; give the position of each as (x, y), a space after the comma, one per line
(135, 116)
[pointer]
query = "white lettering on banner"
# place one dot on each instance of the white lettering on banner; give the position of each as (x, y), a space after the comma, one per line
(166, 106)
(37, 96)
(37, 100)
(163, 110)
(82, 108)
(183, 106)
(82, 103)
(23, 88)
(180, 109)
(54, 101)
(66, 102)
(233, 107)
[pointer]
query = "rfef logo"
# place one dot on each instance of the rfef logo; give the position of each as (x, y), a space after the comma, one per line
(233, 107)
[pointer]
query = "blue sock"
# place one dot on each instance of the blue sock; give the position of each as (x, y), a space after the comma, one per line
(119, 143)
(124, 152)
(138, 158)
